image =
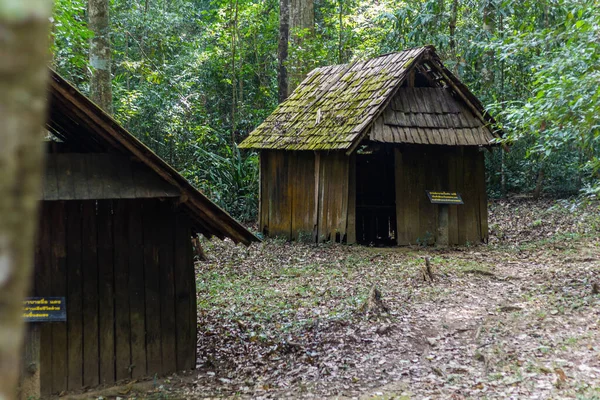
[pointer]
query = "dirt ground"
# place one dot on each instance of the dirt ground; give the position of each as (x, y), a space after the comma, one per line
(517, 318)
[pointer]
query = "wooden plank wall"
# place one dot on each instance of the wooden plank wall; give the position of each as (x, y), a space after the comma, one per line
(333, 197)
(304, 195)
(126, 268)
(69, 176)
(421, 168)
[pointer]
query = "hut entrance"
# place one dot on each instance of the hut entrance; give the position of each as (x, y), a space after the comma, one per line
(375, 197)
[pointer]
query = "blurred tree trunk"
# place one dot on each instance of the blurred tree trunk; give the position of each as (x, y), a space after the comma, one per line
(453, 19)
(24, 44)
(341, 33)
(282, 49)
(100, 54)
(489, 26)
(302, 22)
(234, 97)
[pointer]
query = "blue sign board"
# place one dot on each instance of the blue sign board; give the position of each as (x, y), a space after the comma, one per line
(45, 309)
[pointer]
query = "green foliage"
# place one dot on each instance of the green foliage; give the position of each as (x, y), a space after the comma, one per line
(70, 39)
(231, 180)
(193, 78)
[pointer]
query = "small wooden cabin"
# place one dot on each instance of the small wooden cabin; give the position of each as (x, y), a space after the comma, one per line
(350, 154)
(115, 239)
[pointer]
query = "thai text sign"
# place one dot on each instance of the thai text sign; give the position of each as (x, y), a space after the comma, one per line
(45, 309)
(444, 197)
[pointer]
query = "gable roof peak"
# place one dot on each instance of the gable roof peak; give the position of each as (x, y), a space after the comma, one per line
(95, 126)
(335, 105)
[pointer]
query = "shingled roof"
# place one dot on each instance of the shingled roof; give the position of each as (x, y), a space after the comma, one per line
(75, 119)
(335, 107)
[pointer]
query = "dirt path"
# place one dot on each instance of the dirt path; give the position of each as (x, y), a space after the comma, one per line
(514, 319)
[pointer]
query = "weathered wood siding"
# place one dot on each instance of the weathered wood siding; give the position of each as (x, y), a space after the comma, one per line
(421, 168)
(95, 176)
(304, 195)
(126, 269)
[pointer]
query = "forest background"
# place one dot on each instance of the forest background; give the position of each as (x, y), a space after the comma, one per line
(191, 78)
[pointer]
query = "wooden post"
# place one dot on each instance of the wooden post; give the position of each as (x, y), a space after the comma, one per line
(30, 378)
(442, 237)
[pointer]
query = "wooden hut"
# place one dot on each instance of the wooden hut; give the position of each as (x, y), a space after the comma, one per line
(350, 155)
(115, 241)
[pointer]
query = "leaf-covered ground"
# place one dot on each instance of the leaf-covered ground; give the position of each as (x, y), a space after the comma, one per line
(513, 319)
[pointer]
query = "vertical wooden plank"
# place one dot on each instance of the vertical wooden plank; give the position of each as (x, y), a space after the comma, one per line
(185, 294)
(74, 295)
(334, 179)
(442, 231)
(152, 287)
(303, 177)
(452, 186)
(401, 200)
(193, 316)
(113, 186)
(424, 210)
(481, 189)
(59, 288)
(50, 181)
(137, 309)
(343, 195)
(106, 292)
(64, 173)
(293, 176)
(30, 387)
(293, 189)
(280, 202)
(411, 174)
(273, 204)
(165, 224)
(95, 174)
(460, 184)
(351, 221)
(80, 189)
(43, 287)
(264, 200)
(324, 208)
(91, 376)
(121, 265)
(124, 175)
(309, 219)
(330, 197)
(318, 205)
(472, 199)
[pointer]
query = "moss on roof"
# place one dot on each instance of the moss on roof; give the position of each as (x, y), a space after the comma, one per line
(333, 106)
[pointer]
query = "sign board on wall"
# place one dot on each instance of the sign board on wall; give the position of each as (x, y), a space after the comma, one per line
(442, 197)
(45, 309)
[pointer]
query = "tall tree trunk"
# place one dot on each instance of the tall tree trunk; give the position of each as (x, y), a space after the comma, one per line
(234, 23)
(100, 54)
(302, 18)
(341, 35)
(453, 19)
(282, 49)
(489, 26)
(24, 44)
(302, 15)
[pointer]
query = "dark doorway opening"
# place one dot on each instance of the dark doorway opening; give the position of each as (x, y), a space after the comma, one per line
(375, 196)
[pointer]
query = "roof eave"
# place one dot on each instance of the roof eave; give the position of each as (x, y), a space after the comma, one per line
(110, 130)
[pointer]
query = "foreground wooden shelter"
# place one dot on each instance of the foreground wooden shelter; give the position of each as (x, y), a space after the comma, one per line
(350, 154)
(115, 240)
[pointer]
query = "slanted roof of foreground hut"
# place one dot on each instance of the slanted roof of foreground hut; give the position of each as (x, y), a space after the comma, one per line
(109, 162)
(336, 107)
